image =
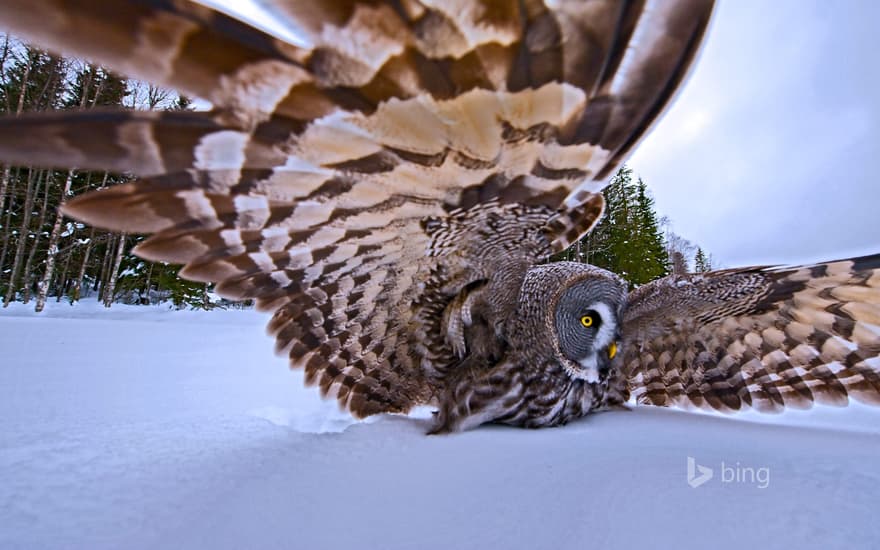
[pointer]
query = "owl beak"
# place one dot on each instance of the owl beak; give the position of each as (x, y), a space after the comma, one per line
(612, 350)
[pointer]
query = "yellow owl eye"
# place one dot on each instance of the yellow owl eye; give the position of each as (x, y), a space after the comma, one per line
(587, 320)
(612, 350)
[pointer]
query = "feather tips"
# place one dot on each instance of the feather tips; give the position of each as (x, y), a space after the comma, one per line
(766, 338)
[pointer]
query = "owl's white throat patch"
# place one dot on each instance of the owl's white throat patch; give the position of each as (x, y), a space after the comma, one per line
(588, 371)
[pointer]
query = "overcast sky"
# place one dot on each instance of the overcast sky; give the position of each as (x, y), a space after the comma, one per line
(768, 153)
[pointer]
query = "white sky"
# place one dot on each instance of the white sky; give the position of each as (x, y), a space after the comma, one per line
(767, 155)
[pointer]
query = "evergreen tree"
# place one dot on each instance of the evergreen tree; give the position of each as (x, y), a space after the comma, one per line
(649, 259)
(93, 86)
(701, 262)
(34, 81)
(42, 254)
(627, 240)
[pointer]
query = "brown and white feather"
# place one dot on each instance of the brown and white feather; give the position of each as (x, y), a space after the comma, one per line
(767, 338)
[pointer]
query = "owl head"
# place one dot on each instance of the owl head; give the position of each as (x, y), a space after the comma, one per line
(579, 309)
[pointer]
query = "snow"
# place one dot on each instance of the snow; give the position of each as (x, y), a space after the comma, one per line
(143, 427)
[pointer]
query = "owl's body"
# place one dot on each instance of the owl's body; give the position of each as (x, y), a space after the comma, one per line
(529, 380)
(390, 187)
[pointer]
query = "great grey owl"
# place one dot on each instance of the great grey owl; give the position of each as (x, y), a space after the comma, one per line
(390, 186)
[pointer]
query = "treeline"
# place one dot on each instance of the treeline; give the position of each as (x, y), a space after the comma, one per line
(44, 255)
(632, 241)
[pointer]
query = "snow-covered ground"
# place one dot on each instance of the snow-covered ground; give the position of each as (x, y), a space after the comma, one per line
(147, 428)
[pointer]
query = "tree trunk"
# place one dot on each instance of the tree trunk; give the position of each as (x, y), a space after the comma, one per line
(147, 285)
(38, 233)
(77, 288)
(22, 238)
(24, 82)
(10, 291)
(7, 224)
(5, 55)
(4, 180)
(4, 186)
(110, 288)
(588, 250)
(101, 281)
(59, 217)
(53, 246)
(61, 283)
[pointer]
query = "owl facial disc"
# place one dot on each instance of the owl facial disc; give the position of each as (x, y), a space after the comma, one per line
(587, 326)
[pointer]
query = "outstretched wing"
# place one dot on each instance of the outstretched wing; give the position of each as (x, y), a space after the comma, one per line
(357, 184)
(766, 338)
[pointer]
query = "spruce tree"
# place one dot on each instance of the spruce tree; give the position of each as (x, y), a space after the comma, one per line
(628, 239)
(701, 262)
(648, 249)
